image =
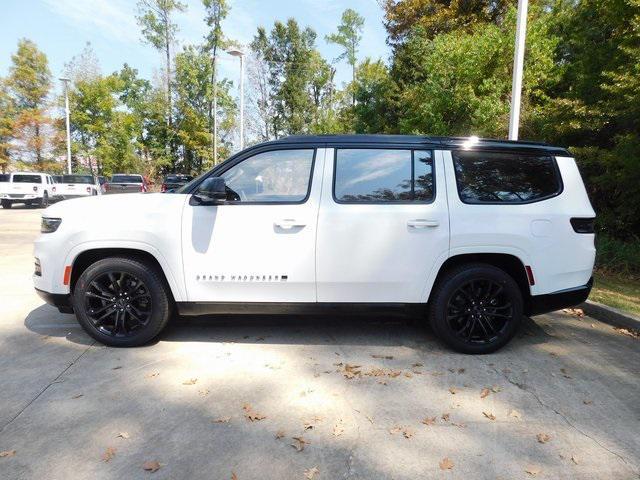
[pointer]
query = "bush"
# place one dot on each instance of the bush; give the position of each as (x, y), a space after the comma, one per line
(616, 256)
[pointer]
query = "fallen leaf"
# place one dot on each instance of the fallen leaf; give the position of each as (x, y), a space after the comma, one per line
(204, 392)
(574, 459)
(543, 437)
(384, 357)
(459, 425)
(630, 332)
(445, 417)
(151, 466)
(453, 390)
(234, 476)
(587, 402)
(515, 414)
(533, 470)
(7, 453)
(311, 473)
(338, 429)
(117, 368)
(252, 415)
(428, 420)
(151, 375)
(489, 415)
(496, 389)
(407, 432)
(191, 381)
(446, 464)
(484, 392)
(564, 372)
(124, 435)
(416, 365)
(77, 396)
(408, 374)
(461, 370)
(108, 454)
(221, 420)
(299, 444)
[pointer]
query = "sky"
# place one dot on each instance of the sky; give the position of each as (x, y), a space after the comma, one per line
(61, 28)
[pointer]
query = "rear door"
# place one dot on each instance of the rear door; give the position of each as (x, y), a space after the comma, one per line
(383, 224)
(260, 245)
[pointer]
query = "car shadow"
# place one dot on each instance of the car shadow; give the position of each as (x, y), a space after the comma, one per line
(369, 329)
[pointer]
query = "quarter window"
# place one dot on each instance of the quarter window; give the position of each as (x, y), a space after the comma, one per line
(271, 177)
(383, 176)
(485, 177)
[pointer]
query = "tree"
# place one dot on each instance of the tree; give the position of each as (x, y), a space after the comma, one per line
(159, 30)
(217, 10)
(349, 37)
(7, 116)
(373, 90)
(29, 85)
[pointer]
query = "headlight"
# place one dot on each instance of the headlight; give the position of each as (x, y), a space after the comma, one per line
(50, 225)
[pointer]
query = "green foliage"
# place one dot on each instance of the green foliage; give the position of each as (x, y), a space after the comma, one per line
(373, 91)
(154, 18)
(618, 256)
(348, 36)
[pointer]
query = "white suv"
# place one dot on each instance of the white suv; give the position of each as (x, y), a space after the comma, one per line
(29, 188)
(473, 233)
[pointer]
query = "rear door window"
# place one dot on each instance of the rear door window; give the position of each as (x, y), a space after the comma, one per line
(383, 176)
(490, 177)
(27, 179)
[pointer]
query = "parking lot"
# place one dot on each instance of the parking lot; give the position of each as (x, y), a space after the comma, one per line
(318, 398)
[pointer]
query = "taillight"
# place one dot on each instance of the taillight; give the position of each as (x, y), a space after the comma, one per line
(88, 189)
(583, 225)
(163, 188)
(142, 188)
(54, 189)
(106, 187)
(35, 188)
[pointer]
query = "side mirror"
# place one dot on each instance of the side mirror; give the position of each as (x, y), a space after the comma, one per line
(213, 191)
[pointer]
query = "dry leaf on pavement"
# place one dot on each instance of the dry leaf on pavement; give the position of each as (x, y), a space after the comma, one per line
(124, 435)
(299, 443)
(191, 381)
(428, 420)
(75, 397)
(279, 434)
(407, 432)
(108, 454)
(543, 437)
(489, 415)
(338, 429)
(533, 470)
(574, 459)
(453, 390)
(445, 417)
(311, 473)
(151, 375)
(234, 476)
(484, 392)
(151, 466)
(251, 415)
(446, 464)
(221, 420)
(7, 453)
(384, 357)
(515, 414)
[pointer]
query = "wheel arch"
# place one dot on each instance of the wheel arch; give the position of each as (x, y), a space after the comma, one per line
(88, 257)
(509, 263)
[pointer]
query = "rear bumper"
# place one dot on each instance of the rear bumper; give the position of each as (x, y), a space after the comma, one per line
(539, 304)
(62, 301)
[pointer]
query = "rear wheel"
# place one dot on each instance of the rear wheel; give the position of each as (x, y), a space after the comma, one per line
(121, 302)
(6, 204)
(476, 308)
(44, 201)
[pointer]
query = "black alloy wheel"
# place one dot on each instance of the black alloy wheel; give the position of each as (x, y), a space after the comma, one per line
(118, 303)
(122, 301)
(476, 308)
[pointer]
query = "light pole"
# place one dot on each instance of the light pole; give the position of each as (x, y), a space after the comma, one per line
(66, 111)
(240, 53)
(518, 60)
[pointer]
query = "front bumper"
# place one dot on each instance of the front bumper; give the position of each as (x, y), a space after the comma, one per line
(62, 301)
(539, 304)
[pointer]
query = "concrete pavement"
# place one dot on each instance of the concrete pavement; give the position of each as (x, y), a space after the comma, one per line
(370, 397)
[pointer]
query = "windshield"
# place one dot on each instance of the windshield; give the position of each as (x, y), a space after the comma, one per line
(4, 177)
(77, 179)
(27, 179)
(178, 178)
(126, 179)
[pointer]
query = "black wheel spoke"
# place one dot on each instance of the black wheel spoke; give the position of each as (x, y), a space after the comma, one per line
(479, 311)
(118, 303)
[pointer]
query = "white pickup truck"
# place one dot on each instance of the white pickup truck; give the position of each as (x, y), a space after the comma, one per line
(73, 186)
(28, 188)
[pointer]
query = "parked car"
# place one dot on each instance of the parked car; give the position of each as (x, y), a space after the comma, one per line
(29, 188)
(173, 181)
(126, 183)
(471, 233)
(74, 186)
(57, 178)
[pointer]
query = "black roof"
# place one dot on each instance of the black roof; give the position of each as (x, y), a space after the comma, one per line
(444, 143)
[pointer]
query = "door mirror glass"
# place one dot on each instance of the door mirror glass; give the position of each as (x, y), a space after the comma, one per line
(212, 191)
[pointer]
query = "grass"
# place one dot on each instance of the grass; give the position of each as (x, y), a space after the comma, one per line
(618, 291)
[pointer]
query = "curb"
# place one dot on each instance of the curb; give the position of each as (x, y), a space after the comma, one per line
(610, 315)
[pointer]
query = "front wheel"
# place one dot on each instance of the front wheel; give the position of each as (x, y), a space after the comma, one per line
(6, 204)
(121, 302)
(476, 308)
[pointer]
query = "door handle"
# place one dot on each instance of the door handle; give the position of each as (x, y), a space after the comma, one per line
(289, 223)
(421, 223)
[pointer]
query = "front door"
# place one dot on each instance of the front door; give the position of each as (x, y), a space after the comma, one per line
(260, 245)
(383, 224)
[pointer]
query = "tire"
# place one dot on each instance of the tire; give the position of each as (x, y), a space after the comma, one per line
(137, 317)
(476, 308)
(6, 204)
(44, 201)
